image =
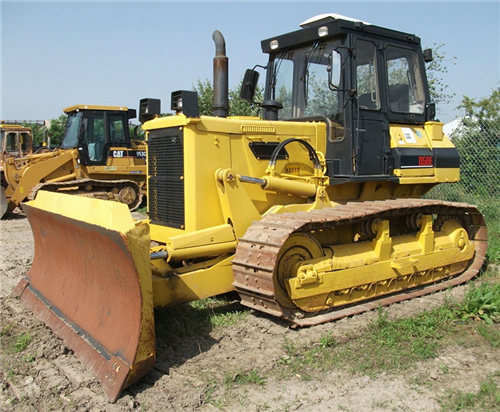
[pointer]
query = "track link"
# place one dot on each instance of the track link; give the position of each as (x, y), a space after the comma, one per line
(257, 252)
(97, 186)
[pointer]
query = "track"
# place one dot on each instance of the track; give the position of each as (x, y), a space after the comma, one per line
(124, 191)
(258, 252)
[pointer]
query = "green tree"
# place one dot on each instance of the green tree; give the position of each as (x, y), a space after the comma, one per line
(237, 106)
(320, 99)
(56, 130)
(240, 107)
(53, 130)
(486, 111)
(136, 132)
(205, 92)
(37, 131)
(435, 70)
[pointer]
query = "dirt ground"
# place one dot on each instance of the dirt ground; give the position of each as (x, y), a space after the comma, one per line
(46, 375)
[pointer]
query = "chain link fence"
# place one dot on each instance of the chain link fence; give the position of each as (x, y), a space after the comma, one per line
(478, 142)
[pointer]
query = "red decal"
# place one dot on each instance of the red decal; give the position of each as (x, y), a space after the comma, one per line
(425, 160)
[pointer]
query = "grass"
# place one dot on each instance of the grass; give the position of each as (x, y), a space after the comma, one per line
(393, 346)
(143, 210)
(243, 378)
(490, 334)
(327, 341)
(207, 395)
(386, 345)
(22, 342)
(487, 203)
(482, 302)
(217, 393)
(197, 318)
(486, 399)
(405, 341)
(493, 224)
(6, 330)
(221, 311)
(11, 341)
(491, 211)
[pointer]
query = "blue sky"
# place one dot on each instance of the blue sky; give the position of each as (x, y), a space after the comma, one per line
(58, 54)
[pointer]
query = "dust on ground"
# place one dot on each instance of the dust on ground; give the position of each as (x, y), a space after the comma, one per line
(47, 376)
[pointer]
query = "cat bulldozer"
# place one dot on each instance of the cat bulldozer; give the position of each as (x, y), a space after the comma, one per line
(311, 212)
(98, 159)
(15, 141)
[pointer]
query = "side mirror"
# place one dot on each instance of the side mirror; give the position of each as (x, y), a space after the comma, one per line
(428, 55)
(249, 85)
(430, 112)
(131, 114)
(333, 68)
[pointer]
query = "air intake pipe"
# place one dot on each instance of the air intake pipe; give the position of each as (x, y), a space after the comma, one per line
(221, 77)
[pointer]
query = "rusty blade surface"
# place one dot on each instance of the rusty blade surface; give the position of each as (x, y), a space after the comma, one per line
(84, 285)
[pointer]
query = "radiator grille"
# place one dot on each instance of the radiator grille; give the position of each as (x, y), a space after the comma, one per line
(166, 177)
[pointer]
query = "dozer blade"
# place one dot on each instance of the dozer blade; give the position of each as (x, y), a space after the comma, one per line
(3, 202)
(91, 283)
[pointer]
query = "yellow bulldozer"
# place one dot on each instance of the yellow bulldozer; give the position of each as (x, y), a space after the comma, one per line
(15, 141)
(98, 158)
(311, 212)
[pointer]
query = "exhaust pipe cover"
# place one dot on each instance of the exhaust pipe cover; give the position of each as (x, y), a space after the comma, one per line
(221, 77)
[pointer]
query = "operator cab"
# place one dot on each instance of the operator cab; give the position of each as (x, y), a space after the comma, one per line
(94, 130)
(15, 141)
(358, 79)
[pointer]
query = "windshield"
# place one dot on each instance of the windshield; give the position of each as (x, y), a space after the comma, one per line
(72, 130)
(300, 82)
(11, 143)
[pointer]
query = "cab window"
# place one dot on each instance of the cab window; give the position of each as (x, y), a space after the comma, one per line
(283, 84)
(366, 75)
(94, 136)
(11, 145)
(404, 79)
(299, 81)
(72, 131)
(25, 141)
(117, 130)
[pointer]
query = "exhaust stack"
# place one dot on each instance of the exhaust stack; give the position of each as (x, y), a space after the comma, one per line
(221, 77)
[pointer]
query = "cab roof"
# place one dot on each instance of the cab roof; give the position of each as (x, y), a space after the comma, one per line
(94, 107)
(14, 127)
(327, 26)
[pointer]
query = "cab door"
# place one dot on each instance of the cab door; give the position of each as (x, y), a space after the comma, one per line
(104, 137)
(93, 139)
(370, 129)
(119, 140)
